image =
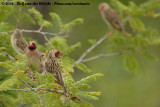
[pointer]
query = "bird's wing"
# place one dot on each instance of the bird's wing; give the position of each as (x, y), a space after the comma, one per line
(21, 43)
(57, 71)
(50, 67)
(113, 19)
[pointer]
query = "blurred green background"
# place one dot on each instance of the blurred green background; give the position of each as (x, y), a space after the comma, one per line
(119, 87)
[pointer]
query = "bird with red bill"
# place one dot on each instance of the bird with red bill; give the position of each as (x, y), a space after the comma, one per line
(52, 66)
(111, 17)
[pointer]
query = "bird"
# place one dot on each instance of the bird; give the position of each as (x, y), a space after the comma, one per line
(111, 17)
(18, 42)
(41, 68)
(33, 55)
(52, 66)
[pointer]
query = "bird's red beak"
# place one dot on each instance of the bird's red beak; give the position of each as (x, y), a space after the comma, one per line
(59, 53)
(31, 45)
(100, 8)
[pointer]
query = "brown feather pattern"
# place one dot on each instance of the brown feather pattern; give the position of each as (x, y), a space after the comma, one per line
(111, 17)
(52, 66)
(21, 44)
(18, 42)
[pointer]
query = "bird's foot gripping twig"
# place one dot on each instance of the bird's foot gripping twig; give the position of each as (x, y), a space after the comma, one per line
(109, 33)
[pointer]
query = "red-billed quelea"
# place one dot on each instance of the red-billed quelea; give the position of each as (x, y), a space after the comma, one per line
(52, 66)
(111, 17)
(18, 42)
(41, 68)
(33, 55)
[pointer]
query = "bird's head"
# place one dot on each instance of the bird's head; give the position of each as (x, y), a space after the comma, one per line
(103, 5)
(17, 33)
(42, 57)
(32, 45)
(55, 53)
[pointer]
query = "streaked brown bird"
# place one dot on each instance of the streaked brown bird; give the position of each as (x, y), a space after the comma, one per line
(52, 66)
(41, 68)
(18, 42)
(111, 17)
(33, 55)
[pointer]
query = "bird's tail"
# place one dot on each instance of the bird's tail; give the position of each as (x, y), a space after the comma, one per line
(61, 83)
(64, 88)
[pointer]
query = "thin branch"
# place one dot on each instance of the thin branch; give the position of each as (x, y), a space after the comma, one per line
(107, 55)
(126, 19)
(9, 56)
(27, 84)
(45, 37)
(91, 48)
(39, 89)
(20, 90)
(48, 41)
(41, 27)
(96, 44)
(39, 32)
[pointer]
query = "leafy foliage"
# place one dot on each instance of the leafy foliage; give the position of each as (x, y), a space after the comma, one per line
(12, 74)
(17, 77)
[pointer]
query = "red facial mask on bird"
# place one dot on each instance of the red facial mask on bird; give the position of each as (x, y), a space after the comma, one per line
(58, 53)
(31, 45)
(100, 8)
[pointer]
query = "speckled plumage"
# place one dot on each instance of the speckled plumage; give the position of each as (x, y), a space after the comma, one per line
(52, 66)
(18, 42)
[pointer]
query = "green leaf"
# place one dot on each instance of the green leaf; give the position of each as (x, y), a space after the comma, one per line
(83, 86)
(37, 15)
(149, 55)
(136, 24)
(68, 27)
(67, 65)
(120, 7)
(60, 44)
(155, 42)
(130, 63)
(2, 48)
(147, 6)
(93, 93)
(6, 85)
(92, 42)
(90, 78)
(83, 67)
(5, 26)
(57, 19)
(6, 10)
(86, 95)
(28, 18)
(46, 23)
(6, 65)
(72, 47)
